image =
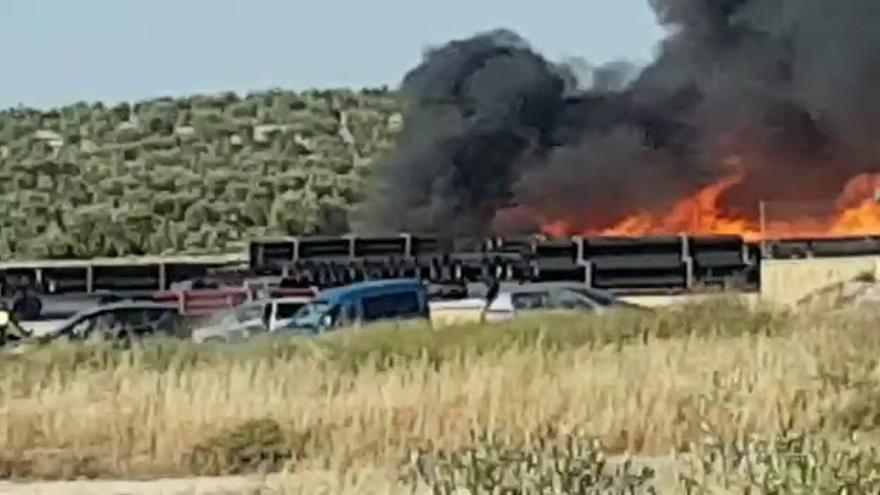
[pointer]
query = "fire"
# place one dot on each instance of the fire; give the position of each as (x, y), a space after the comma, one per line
(856, 212)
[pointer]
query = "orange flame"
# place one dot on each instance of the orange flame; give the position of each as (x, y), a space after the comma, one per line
(855, 213)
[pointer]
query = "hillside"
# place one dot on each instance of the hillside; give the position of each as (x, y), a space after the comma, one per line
(198, 174)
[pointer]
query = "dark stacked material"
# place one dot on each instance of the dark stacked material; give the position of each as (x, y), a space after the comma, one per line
(622, 265)
(618, 264)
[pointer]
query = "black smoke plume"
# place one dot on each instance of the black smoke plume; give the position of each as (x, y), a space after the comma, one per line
(492, 129)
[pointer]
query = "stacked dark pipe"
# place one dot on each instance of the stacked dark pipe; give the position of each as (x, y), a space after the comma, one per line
(619, 264)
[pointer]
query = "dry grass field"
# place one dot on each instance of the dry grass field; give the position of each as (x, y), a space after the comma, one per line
(344, 412)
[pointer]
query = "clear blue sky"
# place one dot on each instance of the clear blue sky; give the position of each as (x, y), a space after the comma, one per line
(62, 51)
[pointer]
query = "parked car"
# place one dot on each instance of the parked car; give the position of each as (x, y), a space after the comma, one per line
(122, 320)
(516, 299)
(362, 303)
(250, 319)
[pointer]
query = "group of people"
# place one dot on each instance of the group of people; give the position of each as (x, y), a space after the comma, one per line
(24, 303)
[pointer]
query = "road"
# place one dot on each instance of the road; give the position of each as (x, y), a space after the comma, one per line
(188, 486)
(666, 468)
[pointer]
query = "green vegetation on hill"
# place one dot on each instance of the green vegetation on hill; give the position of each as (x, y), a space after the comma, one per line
(196, 175)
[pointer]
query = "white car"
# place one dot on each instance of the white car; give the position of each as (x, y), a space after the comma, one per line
(249, 319)
(516, 299)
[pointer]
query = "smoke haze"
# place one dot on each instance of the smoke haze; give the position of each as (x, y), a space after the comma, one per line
(498, 139)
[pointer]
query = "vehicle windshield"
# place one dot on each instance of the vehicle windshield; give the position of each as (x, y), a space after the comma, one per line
(311, 313)
(71, 320)
(222, 317)
(288, 310)
(599, 297)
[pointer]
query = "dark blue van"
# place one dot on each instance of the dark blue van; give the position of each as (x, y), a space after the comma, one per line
(362, 303)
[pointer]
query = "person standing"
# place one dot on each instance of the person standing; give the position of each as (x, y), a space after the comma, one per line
(26, 305)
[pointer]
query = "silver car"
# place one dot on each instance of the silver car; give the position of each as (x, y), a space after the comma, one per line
(250, 319)
(516, 299)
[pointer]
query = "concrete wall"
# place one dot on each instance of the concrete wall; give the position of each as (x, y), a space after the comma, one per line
(785, 282)
(655, 301)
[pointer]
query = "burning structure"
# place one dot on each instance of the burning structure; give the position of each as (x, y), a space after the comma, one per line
(746, 101)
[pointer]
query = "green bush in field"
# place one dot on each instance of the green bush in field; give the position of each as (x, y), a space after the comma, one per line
(498, 464)
(198, 174)
(258, 444)
(791, 462)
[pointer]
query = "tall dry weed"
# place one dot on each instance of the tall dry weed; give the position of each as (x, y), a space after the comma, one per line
(642, 384)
